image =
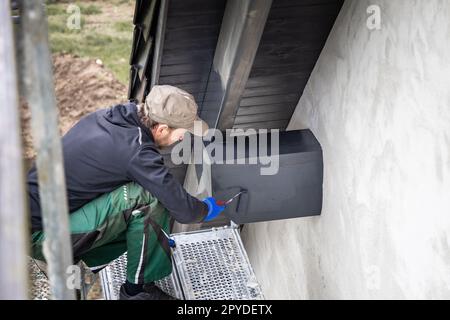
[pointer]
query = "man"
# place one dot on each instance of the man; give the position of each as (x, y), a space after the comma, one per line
(120, 194)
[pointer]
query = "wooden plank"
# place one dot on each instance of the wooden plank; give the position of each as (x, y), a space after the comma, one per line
(270, 99)
(192, 87)
(144, 59)
(49, 161)
(281, 114)
(180, 8)
(188, 44)
(277, 80)
(137, 40)
(314, 25)
(302, 3)
(301, 12)
(295, 52)
(305, 61)
(198, 96)
(268, 108)
(274, 90)
(293, 58)
(133, 84)
(194, 33)
(278, 124)
(195, 5)
(201, 94)
(302, 47)
(211, 19)
(176, 56)
(280, 68)
(191, 14)
(184, 68)
(148, 20)
(259, 92)
(140, 9)
(184, 78)
(209, 115)
(293, 38)
(14, 216)
(141, 90)
(298, 37)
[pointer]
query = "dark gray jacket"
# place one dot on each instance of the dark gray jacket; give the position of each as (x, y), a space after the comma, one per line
(107, 149)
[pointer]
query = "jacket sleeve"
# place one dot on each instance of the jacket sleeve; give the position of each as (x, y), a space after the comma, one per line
(147, 169)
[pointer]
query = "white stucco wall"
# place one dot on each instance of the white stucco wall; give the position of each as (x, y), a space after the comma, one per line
(379, 103)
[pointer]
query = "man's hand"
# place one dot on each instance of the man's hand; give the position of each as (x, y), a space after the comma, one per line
(214, 208)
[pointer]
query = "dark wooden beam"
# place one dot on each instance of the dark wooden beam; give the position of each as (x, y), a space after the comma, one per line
(242, 27)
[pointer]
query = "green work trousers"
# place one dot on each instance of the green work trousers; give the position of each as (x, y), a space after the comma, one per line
(128, 219)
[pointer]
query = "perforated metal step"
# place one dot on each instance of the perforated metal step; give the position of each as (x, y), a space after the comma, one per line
(209, 264)
(115, 274)
(39, 284)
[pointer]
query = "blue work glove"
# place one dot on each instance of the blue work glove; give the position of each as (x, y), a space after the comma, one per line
(214, 208)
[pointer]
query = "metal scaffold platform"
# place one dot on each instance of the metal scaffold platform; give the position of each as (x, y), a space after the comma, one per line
(208, 264)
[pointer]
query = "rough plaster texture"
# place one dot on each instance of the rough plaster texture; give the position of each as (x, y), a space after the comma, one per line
(379, 103)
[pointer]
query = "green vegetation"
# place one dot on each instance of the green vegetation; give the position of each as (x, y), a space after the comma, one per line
(119, 2)
(123, 26)
(53, 10)
(61, 9)
(90, 9)
(99, 36)
(58, 24)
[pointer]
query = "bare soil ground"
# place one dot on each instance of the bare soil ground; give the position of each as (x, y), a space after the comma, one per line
(81, 86)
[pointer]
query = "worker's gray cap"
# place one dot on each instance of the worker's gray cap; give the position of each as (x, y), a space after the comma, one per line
(174, 107)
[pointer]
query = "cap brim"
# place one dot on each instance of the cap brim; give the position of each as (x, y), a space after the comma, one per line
(199, 130)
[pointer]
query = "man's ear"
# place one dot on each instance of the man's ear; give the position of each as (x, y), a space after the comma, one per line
(161, 128)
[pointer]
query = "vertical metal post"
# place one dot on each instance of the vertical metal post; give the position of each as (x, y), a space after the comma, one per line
(13, 217)
(52, 188)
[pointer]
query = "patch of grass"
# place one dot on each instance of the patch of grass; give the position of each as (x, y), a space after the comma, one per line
(90, 9)
(58, 24)
(119, 2)
(56, 1)
(55, 9)
(114, 52)
(108, 41)
(123, 26)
